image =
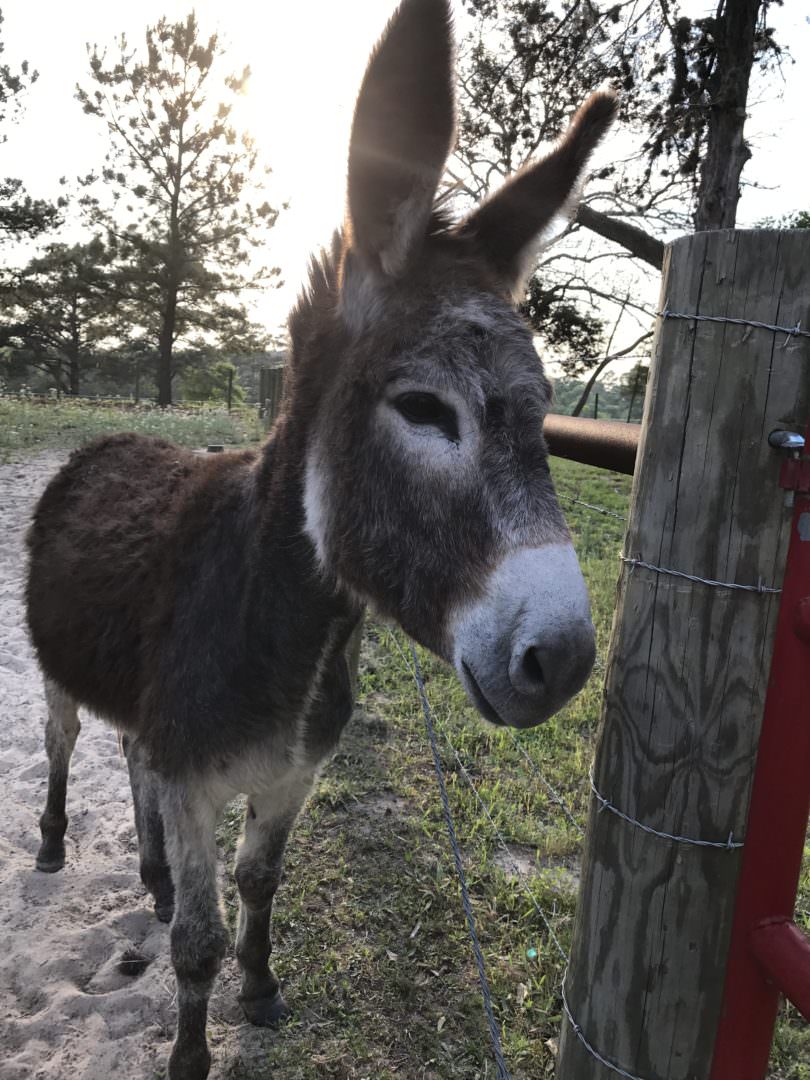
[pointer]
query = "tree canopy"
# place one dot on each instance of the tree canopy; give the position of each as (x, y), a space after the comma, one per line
(21, 216)
(683, 82)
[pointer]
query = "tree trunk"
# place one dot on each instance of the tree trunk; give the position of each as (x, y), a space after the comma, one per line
(586, 393)
(74, 376)
(75, 349)
(174, 268)
(634, 393)
(166, 346)
(726, 150)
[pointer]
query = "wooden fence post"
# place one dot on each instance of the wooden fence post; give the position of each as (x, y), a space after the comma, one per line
(689, 661)
(271, 387)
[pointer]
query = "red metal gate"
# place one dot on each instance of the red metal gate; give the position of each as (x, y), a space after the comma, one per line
(768, 953)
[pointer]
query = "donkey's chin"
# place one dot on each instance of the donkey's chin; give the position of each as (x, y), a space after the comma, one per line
(527, 645)
(478, 697)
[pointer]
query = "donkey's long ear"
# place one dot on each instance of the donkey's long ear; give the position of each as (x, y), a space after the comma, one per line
(509, 226)
(403, 129)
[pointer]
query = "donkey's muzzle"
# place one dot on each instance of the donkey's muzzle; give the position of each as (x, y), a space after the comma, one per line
(527, 646)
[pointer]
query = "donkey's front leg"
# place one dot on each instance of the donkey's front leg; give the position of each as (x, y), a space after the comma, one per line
(149, 826)
(198, 934)
(268, 821)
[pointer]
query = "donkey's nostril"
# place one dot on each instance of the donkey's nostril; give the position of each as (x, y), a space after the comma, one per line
(549, 671)
(533, 669)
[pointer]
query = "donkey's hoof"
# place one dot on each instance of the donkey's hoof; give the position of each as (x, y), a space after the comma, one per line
(50, 857)
(266, 1011)
(164, 912)
(189, 1062)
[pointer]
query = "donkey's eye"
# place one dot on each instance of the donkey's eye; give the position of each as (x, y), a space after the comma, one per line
(428, 410)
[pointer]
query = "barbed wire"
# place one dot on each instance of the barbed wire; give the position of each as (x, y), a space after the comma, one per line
(507, 850)
(603, 510)
(758, 588)
(416, 674)
(581, 1037)
(605, 804)
(790, 331)
(555, 795)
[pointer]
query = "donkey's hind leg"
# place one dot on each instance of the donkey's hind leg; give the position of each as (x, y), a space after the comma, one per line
(61, 732)
(155, 873)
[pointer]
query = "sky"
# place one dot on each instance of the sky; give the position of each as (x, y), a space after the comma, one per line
(307, 59)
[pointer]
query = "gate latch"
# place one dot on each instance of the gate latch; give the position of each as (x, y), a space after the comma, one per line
(795, 474)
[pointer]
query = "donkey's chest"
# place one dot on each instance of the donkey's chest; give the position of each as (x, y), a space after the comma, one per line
(291, 753)
(267, 728)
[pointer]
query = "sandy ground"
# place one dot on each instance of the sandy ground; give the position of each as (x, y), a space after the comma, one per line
(66, 1012)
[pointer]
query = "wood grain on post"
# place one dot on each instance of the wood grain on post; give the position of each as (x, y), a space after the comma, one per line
(688, 664)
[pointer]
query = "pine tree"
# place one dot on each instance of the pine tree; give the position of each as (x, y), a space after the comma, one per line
(59, 309)
(178, 173)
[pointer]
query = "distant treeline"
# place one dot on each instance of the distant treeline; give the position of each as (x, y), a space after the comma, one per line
(619, 399)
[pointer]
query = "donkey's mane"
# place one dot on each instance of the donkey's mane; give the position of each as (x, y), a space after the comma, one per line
(319, 295)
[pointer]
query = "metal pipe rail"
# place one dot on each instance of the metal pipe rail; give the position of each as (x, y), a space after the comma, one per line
(608, 444)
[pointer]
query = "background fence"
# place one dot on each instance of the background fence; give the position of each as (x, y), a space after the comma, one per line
(271, 389)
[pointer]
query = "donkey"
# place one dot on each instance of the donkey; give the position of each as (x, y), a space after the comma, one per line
(204, 606)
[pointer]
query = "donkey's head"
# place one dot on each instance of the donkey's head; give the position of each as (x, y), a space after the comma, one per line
(427, 491)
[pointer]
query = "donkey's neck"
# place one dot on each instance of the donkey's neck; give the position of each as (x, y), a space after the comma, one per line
(303, 617)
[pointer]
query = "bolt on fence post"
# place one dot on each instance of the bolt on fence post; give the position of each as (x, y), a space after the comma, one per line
(689, 661)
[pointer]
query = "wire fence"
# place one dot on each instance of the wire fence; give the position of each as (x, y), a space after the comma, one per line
(555, 924)
(603, 510)
(547, 919)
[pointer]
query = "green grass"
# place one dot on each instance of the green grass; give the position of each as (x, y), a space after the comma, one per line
(370, 939)
(28, 424)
